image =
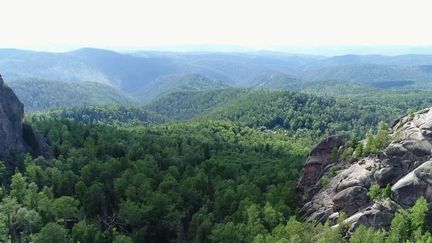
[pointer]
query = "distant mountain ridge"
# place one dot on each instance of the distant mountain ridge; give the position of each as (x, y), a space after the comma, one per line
(147, 75)
(170, 83)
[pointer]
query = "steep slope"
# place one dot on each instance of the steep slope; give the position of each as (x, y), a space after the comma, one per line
(11, 118)
(404, 166)
(42, 94)
(15, 136)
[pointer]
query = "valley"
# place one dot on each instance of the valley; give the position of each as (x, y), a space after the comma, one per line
(215, 147)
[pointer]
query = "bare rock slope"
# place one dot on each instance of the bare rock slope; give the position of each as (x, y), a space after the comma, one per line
(15, 137)
(405, 165)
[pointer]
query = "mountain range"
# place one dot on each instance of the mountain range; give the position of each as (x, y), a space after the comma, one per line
(136, 77)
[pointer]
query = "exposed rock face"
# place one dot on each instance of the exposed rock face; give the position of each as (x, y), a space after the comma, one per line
(405, 165)
(35, 143)
(414, 185)
(14, 136)
(319, 158)
(11, 118)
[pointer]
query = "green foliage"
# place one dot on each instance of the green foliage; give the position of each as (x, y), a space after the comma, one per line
(418, 214)
(363, 234)
(377, 142)
(324, 181)
(275, 108)
(122, 239)
(376, 192)
(18, 187)
(407, 226)
(123, 174)
(347, 153)
(410, 113)
(109, 114)
(117, 183)
(52, 232)
(351, 115)
(358, 152)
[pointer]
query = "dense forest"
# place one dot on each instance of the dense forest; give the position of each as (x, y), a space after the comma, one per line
(349, 115)
(214, 172)
(199, 162)
(185, 181)
(202, 121)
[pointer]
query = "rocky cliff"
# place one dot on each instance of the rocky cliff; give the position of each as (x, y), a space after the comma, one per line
(405, 165)
(14, 136)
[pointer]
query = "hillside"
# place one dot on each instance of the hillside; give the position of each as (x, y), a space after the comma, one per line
(171, 83)
(103, 114)
(349, 115)
(42, 95)
(185, 105)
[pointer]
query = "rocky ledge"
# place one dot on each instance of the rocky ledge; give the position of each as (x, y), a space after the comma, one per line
(405, 165)
(15, 137)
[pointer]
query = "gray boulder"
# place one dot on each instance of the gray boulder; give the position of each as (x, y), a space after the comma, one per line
(405, 165)
(350, 199)
(378, 215)
(417, 183)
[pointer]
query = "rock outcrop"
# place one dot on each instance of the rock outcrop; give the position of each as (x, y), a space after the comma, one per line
(14, 136)
(11, 119)
(320, 157)
(405, 165)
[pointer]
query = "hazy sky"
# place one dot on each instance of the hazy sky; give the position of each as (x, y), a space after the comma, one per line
(63, 24)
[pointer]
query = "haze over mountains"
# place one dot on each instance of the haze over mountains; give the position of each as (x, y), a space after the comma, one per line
(135, 77)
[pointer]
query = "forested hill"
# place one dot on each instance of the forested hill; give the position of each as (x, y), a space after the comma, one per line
(291, 110)
(171, 83)
(39, 94)
(103, 114)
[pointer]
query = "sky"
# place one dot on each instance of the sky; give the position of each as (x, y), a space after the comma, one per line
(249, 24)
